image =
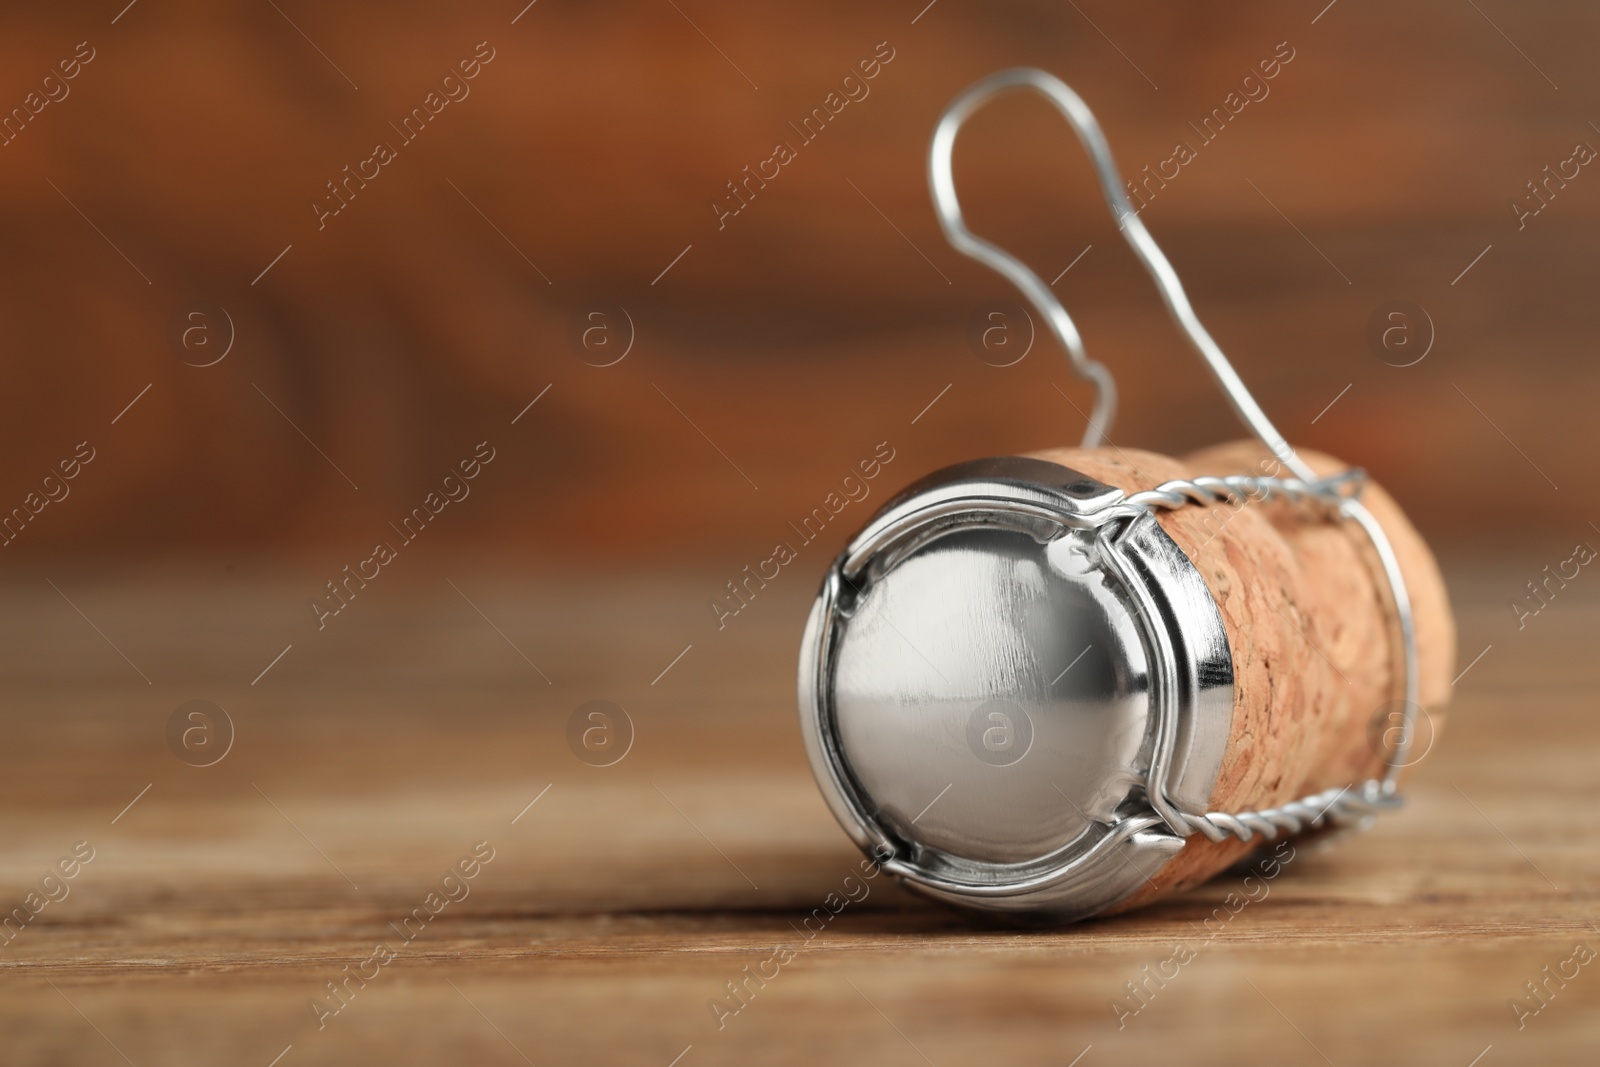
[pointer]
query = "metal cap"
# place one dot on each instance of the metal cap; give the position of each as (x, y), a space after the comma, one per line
(992, 673)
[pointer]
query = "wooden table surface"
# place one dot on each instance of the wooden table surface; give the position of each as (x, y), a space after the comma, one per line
(377, 753)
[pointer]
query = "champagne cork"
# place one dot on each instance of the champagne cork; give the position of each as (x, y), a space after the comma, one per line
(1311, 631)
(1245, 665)
(1031, 687)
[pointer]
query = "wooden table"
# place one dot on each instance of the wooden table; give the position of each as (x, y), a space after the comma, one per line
(374, 754)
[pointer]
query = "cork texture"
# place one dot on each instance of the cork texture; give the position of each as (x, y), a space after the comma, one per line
(1316, 655)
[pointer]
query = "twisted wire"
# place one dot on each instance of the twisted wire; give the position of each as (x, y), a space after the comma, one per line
(1207, 491)
(1346, 804)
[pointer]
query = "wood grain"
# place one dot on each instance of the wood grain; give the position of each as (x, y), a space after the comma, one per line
(618, 906)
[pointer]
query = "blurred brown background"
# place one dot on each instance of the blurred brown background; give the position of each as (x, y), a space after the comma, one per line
(420, 320)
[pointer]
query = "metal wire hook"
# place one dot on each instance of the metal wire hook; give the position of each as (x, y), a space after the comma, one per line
(1082, 121)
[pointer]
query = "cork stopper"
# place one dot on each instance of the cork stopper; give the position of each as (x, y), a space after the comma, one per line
(1315, 656)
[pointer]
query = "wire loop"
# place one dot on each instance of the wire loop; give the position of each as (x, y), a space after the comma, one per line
(1339, 493)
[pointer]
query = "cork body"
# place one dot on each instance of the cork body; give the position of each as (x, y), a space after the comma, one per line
(1316, 657)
